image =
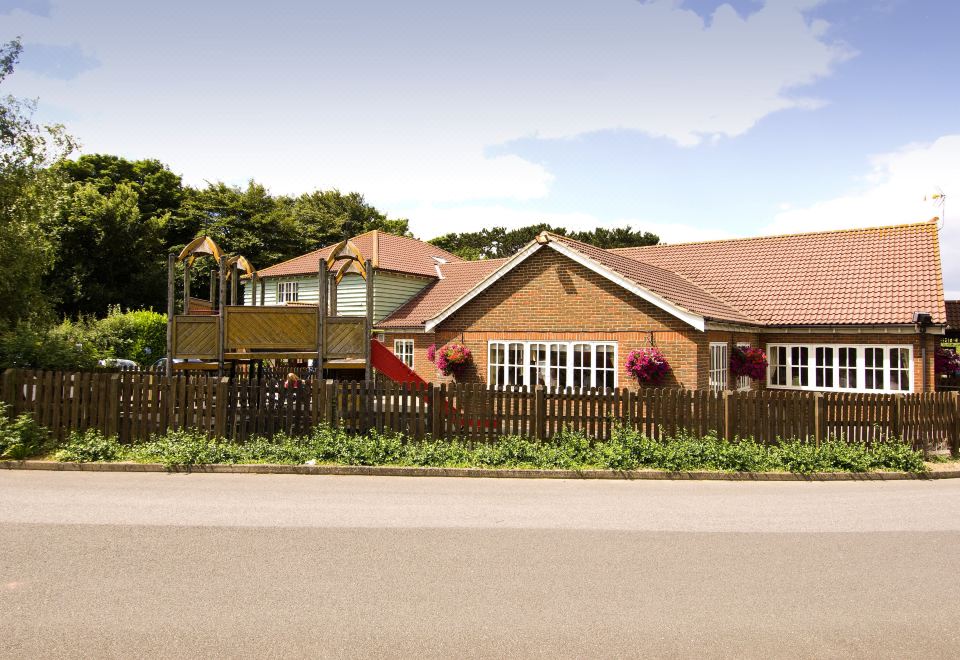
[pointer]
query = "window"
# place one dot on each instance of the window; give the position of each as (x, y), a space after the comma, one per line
(582, 365)
(847, 368)
(777, 357)
(553, 364)
(719, 363)
(403, 348)
(873, 368)
(824, 378)
(799, 366)
(900, 369)
(288, 291)
(506, 363)
(743, 382)
(840, 368)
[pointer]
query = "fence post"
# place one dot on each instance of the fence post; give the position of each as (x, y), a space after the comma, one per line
(8, 387)
(895, 415)
(539, 414)
(113, 407)
(727, 416)
(434, 411)
(220, 415)
(955, 439)
(818, 418)
(330, 403)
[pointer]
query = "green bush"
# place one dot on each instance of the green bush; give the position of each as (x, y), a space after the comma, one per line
(626, 450)
(21, 437)
(61, 347)
(89, 446)
(139, 335)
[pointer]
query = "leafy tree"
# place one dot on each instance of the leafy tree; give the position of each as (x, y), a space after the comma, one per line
(30, 192)
(328, 216)
(497, 242)
(109, 253)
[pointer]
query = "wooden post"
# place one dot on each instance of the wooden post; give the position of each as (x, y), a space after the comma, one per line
(896, 425)
(333, 296)
(222, 318)
(539, 413)
(220, 415)
(368, 325)
(9, 387)
(171, 308)
(213, 288)
(254, 289)
(955, 439)
(321, 313)
(186, 287)
(434, 398)
(113, 407)
(818, 418)
(234, 284)
(330, 403)
(727, 416)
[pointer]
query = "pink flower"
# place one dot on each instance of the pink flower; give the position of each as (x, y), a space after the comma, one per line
(451, 359)
(648, 365)
(432, 352)
(946, 361)
(748, 361)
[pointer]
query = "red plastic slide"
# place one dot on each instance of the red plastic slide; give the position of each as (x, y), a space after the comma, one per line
(384, 361)
(387, 363)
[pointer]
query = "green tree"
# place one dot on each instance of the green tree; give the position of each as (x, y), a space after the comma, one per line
(498, 242)
(109, 252)
(30, 193)
(328, 216)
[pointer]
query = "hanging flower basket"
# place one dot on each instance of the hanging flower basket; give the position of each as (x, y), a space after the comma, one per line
(749, 361)
(648, 365)
(451, 360)
(946, 362)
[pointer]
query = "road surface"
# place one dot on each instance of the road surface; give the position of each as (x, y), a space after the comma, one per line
(155, 565)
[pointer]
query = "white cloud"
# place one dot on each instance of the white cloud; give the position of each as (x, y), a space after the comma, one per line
(894, 192)
(401, 101)
(431, 221)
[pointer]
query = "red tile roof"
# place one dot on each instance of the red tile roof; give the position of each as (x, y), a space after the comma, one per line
(953, 314)
(664, 283)
(848, 277)
(394, 253)
(458, 279)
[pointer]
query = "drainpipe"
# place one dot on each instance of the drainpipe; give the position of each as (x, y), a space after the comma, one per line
(923, 321)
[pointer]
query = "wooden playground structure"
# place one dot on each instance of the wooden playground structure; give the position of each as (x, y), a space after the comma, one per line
(219, 333)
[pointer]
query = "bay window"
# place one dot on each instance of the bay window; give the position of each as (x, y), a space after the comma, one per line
(840, 368)
(552, 364)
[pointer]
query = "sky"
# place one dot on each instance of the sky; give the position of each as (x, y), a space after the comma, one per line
(693, 119)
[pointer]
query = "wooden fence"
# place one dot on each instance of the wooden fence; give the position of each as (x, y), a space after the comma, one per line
(134, 405)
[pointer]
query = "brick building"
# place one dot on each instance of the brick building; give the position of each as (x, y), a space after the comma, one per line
(853, 310)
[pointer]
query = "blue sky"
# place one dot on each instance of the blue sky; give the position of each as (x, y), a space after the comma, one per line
(695, 119)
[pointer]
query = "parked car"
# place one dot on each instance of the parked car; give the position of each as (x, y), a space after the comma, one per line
(162, 362)
(117, 363)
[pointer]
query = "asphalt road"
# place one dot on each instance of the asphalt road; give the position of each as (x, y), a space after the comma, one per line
(153, 565)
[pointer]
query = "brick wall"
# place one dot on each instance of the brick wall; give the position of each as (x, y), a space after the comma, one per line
(552, 297)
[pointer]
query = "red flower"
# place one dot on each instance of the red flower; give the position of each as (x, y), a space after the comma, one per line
(748, 361)
(648, 365)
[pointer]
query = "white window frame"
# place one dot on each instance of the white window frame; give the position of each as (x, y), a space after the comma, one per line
(404, 349)
(744, 382)
(529, 373)
(860, 370)
(719, 365)
(288, 291)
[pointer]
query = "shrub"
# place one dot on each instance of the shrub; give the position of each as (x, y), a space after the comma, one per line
(21, 437)
(61, 347)
(89, 446)
(138, 335)
(946, 361)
